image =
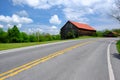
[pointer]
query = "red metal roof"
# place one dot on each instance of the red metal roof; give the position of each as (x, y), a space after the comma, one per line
(82, 26)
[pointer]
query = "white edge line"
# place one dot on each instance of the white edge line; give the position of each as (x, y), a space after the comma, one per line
(111, 74)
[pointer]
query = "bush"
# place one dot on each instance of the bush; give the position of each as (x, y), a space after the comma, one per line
(70, 35)
(118, 46)
(99, 34)
(32, 38)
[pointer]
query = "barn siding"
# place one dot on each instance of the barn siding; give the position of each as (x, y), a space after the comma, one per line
(83, 32)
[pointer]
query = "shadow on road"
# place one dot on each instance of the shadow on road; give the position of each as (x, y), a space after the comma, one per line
(116, 55)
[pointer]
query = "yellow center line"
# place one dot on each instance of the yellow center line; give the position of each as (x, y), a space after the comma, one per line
(31, 64)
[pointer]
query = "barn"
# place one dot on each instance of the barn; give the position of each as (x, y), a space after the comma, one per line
(74, 29)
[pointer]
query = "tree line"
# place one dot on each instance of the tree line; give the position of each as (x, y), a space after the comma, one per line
(106, 33)
(13, 35)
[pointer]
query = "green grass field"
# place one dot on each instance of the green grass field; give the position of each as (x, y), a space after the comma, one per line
(118, 46)
(5, 46)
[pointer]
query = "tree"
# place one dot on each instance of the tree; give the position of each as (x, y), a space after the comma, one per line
(32, 38)
(3, 36)
(56, 37)
(48, 37)
(14, 34)
(116, 32)
(116, 10)
(109, 33)
(24, 37)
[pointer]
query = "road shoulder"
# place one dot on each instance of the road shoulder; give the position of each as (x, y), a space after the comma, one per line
(115, 60)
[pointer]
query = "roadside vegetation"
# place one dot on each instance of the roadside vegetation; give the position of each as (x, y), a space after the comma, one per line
(13, 35)
(108, 33)
(118, 46)
(14, 38)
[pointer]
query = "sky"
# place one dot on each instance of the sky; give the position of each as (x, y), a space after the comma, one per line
(50, 15)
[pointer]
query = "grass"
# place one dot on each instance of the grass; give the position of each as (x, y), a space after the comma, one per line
(84, 37)
(118, 46)
(5, 46)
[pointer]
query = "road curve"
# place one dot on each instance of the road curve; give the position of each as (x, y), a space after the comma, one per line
(84, 59)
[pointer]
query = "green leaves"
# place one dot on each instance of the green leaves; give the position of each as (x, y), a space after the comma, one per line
(118, 46)
(13, 35)
(3, 36)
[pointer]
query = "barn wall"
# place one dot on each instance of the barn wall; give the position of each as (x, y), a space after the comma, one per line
(83, 32)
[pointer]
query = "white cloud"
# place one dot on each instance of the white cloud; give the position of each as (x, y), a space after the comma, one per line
(19, 25)
(54, 30)
(18, 2)
(72, 14)
(42, 29)
(90, 2)
(55, 19)
(37, 4)
(107, 26)
(82, 8)
(72, 9)
(74, 4)
(53, 27)
(15, 19)
(11, 25)
(1, 26)
(22, 13)
(33, 30)
(40, 4)
(104, 22)
(46, 4)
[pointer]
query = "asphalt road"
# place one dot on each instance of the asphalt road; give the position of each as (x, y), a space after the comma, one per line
(85, 59)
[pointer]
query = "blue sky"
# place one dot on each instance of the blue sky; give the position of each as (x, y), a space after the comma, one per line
(50, 15)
